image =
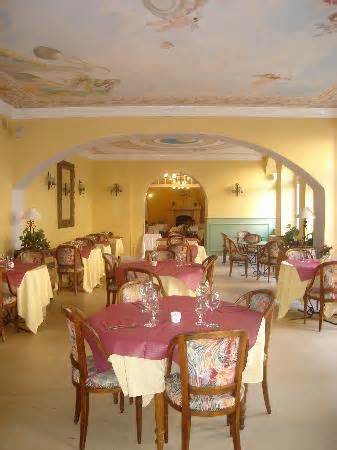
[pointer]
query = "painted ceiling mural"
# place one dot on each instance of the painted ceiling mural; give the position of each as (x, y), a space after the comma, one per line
(169, 147)
(168, 52)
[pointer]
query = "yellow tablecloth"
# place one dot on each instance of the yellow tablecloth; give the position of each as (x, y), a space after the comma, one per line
(145, 377)
(33, 295)
(175, 286)
(117, 247)
(93, 269)
(291, 288)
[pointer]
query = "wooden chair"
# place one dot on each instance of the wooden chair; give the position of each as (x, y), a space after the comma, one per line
(299, 253)
(225, 247)
(110, 265)
(32, 257)
(267, 255)
(240, 236)
(129, 292)
(85, 377)
(249, 247)
(160, 255)
(208, 269)
(322, 288)
(8, 305)
(236, 255)
(85, 242)
(183, 251)
(262, 300)
(209, 382)
(69, 262)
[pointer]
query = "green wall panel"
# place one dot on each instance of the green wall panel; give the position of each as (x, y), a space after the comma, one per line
(214, 227)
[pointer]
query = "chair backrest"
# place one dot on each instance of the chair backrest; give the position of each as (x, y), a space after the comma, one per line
(211, 363)
(225, 244)
(78, 327)
(182, 250)
(240, 236)
(129, 292)
(144, 276)
(208, 269)
(31, 256)
(262, 301)
(233, 248)
(110, 265)
(84, 242)
(160, 255)
(252, 238)
(299, 253)
(270, 251)
(68, 256)
(325, 279)
(176, 239)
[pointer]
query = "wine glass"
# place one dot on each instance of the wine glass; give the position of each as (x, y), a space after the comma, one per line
(200, 309)
(145, 291)
(153, 306)
(212, 302)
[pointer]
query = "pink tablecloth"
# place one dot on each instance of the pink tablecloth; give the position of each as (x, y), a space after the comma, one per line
(152, 343)
(306, 268)
(15, 276)
(190, 275)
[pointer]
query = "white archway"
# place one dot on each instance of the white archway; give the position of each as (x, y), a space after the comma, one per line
(318, 190)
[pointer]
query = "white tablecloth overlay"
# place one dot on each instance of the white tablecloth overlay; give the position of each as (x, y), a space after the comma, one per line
(201, 255)
(117, 247)
(149, 242)
(291, 288)
(33, 295)
(145, 377)
(93, 269)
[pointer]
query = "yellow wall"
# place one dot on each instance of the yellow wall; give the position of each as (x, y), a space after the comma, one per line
(125, 214)
(288, 199)
(160, 199)
(5, 191)
(309, 143)
(37, 196)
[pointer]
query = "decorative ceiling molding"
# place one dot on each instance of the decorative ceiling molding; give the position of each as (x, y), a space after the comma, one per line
(166, 111)
(142, 157)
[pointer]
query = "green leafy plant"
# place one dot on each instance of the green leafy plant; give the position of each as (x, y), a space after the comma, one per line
(34, 239)
(325, 250)
(291, 237)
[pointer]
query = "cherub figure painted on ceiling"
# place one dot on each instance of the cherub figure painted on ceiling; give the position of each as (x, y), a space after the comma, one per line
(179, 14)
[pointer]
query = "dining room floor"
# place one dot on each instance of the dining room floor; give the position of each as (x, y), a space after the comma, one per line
(37, 397)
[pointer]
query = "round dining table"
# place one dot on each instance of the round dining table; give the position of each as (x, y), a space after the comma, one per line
(138, 354)
(176, 280)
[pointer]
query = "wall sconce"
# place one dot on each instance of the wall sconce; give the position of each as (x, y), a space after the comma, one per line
(237, 190)
(51, 183)
(116, 189)
(81, 187)
(66, 190)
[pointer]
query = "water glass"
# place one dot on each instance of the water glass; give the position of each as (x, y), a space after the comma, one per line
(153, 307)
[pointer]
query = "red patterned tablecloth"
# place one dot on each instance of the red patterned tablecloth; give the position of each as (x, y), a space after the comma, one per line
(306, 268)
(15, 276)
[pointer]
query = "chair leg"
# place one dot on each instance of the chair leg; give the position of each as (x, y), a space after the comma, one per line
(121, 402)
(131, 400)
(166, 421)
(84, 418)
(139, 418)
(230, 421)
(265, 389)
(185, 431)
(305, 301)
(321, 313)
(257, 270)
(246, 268)
(268, 273)
(59, 275)
(230, 267)
(77, 405)
(114, 296)
(115, 395)
(107, 298)
(236, 429)
(75, 281)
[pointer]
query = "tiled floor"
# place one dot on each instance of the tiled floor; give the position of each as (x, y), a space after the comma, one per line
(37, 398)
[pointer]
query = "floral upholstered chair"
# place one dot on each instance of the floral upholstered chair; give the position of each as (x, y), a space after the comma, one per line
(299, 253)
(322, 288)
(31, 257)
(262, 301)
(209, 382)
(110, 266)
(182, 252)
(130, 292)
(240, 236)
(236, 256)
(8, 305)
(85, 376)
(268, 256)
(208, 269)
(69, 262)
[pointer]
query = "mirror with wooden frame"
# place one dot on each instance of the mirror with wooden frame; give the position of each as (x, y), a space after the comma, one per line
(65, 194)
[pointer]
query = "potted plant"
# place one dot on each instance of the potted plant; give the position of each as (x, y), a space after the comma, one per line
(34, 239)
(291, 237)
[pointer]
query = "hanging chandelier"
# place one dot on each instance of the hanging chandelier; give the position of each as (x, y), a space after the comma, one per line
(178, 180)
